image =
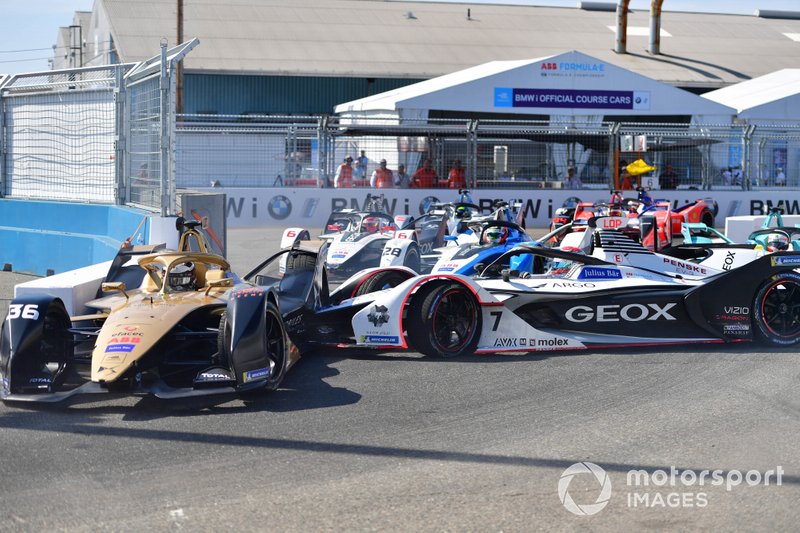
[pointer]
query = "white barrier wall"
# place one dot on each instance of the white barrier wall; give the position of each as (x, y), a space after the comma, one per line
(309, 207)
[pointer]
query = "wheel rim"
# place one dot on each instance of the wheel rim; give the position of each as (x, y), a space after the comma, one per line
(276, 345)
(780, 309)
(454, 318)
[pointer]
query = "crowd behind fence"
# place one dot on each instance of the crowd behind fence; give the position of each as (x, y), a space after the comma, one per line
(270, 151)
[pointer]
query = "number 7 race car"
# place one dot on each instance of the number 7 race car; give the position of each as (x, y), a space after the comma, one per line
(168, 323)
(572, 301)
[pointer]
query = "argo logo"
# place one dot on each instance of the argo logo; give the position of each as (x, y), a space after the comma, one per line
(425, 204)
(602, 498)
(279, 207)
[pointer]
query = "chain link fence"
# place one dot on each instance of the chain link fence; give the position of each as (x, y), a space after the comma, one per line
(96, 134)
(264, 151)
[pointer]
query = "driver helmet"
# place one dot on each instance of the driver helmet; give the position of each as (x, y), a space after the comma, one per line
(495, 235)
(777, 242)
(462, 211)
(370, 224)
(182, 277)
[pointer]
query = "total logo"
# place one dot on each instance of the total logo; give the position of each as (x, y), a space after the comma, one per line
(616, 313)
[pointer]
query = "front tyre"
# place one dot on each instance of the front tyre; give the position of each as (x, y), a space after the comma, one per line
(277, 347)
(445, 320)
(386, 279)
(412, 259)
(776, 310)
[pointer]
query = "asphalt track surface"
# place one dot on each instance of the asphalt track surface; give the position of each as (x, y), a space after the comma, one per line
(363, 441)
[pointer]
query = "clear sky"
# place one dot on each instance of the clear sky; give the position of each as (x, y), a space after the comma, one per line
(28, 28)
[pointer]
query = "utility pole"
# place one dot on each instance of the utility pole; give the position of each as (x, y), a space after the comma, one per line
(179, 64)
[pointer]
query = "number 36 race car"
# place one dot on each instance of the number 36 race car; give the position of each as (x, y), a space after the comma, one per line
(168, 323)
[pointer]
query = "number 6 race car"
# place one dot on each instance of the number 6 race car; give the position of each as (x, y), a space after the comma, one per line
(572, 301)
(170, 323)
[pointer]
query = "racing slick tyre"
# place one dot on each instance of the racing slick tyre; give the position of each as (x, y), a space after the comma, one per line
(707, 218)
(776, 310)
(55, 346)
(445, 319)
(381, 280)
(412, 259)
(277, 347)
(300, 262)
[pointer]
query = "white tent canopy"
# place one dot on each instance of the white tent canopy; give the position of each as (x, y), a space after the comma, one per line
(571, 83)
(772, 97)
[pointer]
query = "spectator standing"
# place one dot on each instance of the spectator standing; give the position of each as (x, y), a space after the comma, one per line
(403, 180)
(625, 177)
(344, 174)
(382, 177)
(361, 166)
(727, 176)
(572, 181)
(668, 178)
(425, 177)
(457, 178)
(780, 177)
(738, 176)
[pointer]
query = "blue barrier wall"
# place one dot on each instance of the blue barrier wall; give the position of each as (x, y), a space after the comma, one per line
(37, 237)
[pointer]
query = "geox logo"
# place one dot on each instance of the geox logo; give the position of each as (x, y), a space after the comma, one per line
(615, 313)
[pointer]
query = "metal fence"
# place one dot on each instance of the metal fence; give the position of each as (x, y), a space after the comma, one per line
(267, 151)
(98, 134)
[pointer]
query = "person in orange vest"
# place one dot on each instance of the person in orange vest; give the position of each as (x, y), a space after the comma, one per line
(457, 179)
(425, 177)
(382, 177)
(344, 174)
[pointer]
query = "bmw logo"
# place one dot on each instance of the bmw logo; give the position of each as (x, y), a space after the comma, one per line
(279, 207)
(425, 204)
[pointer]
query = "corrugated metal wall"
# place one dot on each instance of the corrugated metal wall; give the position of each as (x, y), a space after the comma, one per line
(237, 94)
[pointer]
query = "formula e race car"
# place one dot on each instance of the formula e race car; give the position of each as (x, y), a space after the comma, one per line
(179, 325)
(668, 220)
(570, 301)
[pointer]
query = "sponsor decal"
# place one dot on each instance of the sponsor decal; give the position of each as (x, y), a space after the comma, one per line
(245, 293)
(130, 329)
(279, 207)
(523, 342)
(378, 316)
(44, 380)
(732, 318)
(572, 285)
(689, 267)
(125, 339)
(617, 313)
(784, 261)
(339, 256)
(736, 310)
(254, 375)
(214, 376)
(128, 335)
(728, 262)
(120, 348)
(599, 273)
(736, 329)
(445, 269)
(380, 339)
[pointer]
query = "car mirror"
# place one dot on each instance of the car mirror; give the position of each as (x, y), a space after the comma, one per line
(218, 283)
(114, 286)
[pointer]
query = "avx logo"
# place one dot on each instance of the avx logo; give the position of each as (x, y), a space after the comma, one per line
(615, 313)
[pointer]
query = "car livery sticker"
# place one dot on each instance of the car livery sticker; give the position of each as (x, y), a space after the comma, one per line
(379, 339)
(253, 375)
(117, 347)
(599, 273)
(783, 261)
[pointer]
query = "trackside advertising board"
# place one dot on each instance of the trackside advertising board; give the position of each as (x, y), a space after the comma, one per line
(307, 207)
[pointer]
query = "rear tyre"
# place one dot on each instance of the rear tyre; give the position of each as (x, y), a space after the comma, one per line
(707, 219)
(412, 259)
(55, 347)
(382, 280)
(299, 262)
(445, 320)
(776, 310)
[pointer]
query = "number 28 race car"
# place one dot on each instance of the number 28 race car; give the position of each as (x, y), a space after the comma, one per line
(168, 323)
(572, 301)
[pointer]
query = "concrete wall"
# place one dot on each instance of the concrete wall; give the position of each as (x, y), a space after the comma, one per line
(38, 237)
